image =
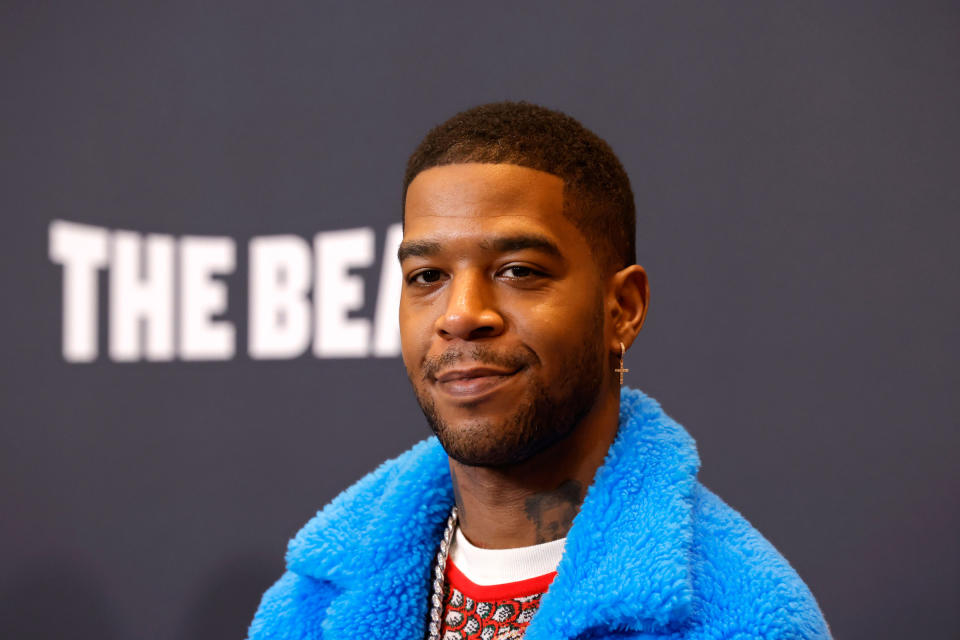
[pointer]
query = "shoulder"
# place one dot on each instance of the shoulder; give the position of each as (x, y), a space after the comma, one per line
(742, 582)
(322, 557)
(324, 545)
(292, 609)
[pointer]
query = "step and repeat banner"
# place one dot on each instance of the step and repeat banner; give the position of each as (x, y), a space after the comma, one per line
(201, 211)
(161, 286)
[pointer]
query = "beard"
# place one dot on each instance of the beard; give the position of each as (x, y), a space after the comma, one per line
(548, 412)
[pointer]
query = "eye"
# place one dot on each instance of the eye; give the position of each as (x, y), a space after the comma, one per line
(519, 271)
(427, 276)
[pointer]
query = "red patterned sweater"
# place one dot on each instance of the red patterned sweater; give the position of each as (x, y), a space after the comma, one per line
(489, 612)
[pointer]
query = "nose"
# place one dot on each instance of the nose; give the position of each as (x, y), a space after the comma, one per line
(470, 311)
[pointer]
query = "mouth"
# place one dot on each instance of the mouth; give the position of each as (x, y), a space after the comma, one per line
(474, 382)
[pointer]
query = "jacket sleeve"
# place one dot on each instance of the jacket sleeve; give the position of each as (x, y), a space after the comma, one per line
(292, 609)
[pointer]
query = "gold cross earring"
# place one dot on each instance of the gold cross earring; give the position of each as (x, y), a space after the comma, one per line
(621, 370)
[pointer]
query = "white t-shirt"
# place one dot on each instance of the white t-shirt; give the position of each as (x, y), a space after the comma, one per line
(501, 566)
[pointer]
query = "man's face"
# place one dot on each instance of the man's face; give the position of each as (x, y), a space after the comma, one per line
(502, 311)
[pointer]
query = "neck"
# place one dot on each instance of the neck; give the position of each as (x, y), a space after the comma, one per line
(535, 501)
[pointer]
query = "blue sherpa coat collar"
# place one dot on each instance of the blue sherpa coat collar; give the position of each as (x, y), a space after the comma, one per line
(626, 564)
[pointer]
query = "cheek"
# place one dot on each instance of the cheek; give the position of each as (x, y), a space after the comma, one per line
(415, 334)
(559, 328)
(407, 339)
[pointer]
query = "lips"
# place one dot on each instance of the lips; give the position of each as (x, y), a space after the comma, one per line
(473, 382)
(472, 372)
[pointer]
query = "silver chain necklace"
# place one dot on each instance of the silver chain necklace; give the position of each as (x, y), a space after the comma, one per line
(436, 600)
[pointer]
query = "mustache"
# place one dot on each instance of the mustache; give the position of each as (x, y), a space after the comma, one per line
(479, 354)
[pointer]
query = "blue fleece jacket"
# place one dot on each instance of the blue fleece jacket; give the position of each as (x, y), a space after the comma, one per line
(652, 554)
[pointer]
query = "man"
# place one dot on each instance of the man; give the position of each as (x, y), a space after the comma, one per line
(553, 502)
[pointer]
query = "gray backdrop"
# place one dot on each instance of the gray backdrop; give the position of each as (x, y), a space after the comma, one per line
(795, 168)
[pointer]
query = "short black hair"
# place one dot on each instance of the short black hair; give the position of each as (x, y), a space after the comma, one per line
(597, 197)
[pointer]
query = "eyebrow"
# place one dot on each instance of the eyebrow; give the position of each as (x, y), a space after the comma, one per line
(500, 244)
(417, 249)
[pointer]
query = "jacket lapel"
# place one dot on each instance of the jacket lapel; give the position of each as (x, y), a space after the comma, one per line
(376, 544)
(626, 563)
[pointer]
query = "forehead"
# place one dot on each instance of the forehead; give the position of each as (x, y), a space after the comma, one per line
(472, 201)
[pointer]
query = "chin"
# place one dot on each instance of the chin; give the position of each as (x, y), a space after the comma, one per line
(487, 444)
(499, 441)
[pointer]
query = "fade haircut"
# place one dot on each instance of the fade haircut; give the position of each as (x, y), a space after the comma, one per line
(597, 197)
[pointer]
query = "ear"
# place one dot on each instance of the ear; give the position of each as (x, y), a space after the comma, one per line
(629, 298)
